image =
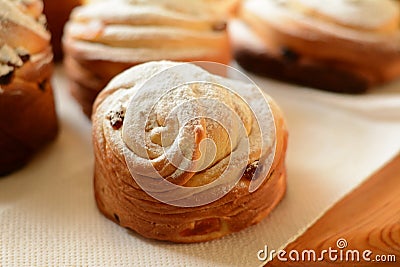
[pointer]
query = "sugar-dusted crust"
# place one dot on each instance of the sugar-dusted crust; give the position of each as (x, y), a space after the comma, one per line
(121, 199)
(302, 41)
(251, 54)
(138, 32)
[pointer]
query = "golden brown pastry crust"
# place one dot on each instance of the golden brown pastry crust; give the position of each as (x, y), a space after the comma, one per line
(27, 112)
(120, 198)
(303, 46)
(27, 121)
(103, 44)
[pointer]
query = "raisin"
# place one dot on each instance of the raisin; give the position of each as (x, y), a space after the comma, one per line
(250, 170)
(25, 57)
(219, 26)
(116, 217)
(116, 118)
(289, 55)
(6, 79)
(42, 85)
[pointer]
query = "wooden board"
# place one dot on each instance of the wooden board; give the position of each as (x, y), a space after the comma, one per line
(368, 219)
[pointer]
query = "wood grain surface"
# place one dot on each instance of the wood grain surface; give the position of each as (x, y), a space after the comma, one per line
(367, 219)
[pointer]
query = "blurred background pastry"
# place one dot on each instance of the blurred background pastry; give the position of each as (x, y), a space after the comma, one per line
(339, 45)
(221, 6)
(119, 121)
(106, 37)
(57, 13)
(229, 7)
(27, 113)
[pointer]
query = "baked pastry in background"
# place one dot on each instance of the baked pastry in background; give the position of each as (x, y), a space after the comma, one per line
(224, 7)
(57, 13)
(339, 45)
(117, 141)
(104, 38)
(27, 114)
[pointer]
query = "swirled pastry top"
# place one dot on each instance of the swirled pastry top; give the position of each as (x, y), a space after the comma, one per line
(363, 35)
(360, 14)
(22, 33)
(369, 15)
(189, 134)
(27, 19)
(145, 30)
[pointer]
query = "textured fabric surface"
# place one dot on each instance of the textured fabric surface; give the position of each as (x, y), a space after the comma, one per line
(48, 215)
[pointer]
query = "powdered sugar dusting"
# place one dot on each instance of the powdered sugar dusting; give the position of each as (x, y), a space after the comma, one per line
(370, 14)
(183, 122)
(26, 14)
(141, 31)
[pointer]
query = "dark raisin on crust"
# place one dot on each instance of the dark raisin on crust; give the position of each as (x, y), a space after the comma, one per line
(6, 79)
(219, 26)
(25, 57)
(42, 85)
(116, 217)
(250, 170)
(23, 54)
(289, 55)
(116, 118)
